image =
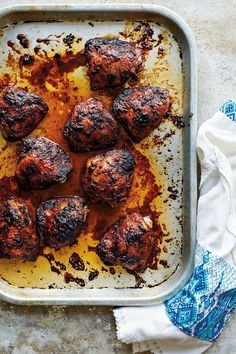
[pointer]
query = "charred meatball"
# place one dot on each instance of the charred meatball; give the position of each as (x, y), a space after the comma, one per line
(107, 177)
(60, 220)
(42, 163)
(112, 62)
(20, 112)
(128, 242)
(17, 231)
(141, 110)
(91, 127)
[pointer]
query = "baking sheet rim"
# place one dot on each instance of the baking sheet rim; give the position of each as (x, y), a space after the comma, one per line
(118, 296)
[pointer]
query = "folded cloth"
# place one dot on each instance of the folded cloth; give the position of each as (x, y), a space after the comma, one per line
(194, 318)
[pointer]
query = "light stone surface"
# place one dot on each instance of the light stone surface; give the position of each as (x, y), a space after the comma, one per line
(91, 330)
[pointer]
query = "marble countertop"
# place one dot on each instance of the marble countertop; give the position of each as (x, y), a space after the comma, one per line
(28, 329)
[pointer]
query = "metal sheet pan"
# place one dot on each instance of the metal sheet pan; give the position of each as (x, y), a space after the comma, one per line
(170, 151)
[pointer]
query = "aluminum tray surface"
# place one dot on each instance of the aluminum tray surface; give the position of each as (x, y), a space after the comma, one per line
(165, 174)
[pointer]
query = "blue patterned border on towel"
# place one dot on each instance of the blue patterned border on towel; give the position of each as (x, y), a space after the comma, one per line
(202, 308)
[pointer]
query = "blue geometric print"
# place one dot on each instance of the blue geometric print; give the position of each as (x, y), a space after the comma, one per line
(229, 109)
(203, 307)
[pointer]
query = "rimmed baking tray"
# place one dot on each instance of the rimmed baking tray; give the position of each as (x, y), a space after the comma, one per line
(75, 275)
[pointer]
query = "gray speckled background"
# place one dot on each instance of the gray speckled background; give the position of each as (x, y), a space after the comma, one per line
(80, 330)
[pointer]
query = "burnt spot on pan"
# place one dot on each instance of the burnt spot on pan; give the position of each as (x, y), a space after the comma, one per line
(76, 261)
(168, 240)
(173, 193)
(138, 279)
(69, 40)
(26, 59)
(52, 286)
(104, 269)
(69, 278)
(161, 53)
(13, 46)
(56, 266)
(177, 120)
(37, 49)
(159, 139)
(142, 34)
(93, 275)
(112, 270)
(60, 265)
(159, 40)
(23, 40)
(40, 21)
(163, 263)
(47, 40)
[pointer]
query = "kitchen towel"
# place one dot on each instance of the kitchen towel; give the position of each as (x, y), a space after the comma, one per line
(195, 317)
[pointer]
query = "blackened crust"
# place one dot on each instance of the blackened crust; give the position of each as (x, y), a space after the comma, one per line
(60, 220)
(20, 112)
(141, 110)
(42, 163)
(128, 242)
(112, 62)
(18, 238)
(107, 177)
(91, 127)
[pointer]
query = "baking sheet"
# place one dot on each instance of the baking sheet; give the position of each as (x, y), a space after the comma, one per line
(164, 152)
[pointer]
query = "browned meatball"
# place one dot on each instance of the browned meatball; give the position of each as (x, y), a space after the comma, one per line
(107, 177)
(17, 231)
(141, 110)
(60, 220)
(128, 242)
(112, 62)
(42, 163)
(91, 127)
(20, 112)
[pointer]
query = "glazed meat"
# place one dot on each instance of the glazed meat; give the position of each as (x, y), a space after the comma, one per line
(42, 163)
(107, 177)
(112, 62)
(141, 110)
(17, 231)
(20, 112)
(128, 242)
(91, 127)
(60, 220)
